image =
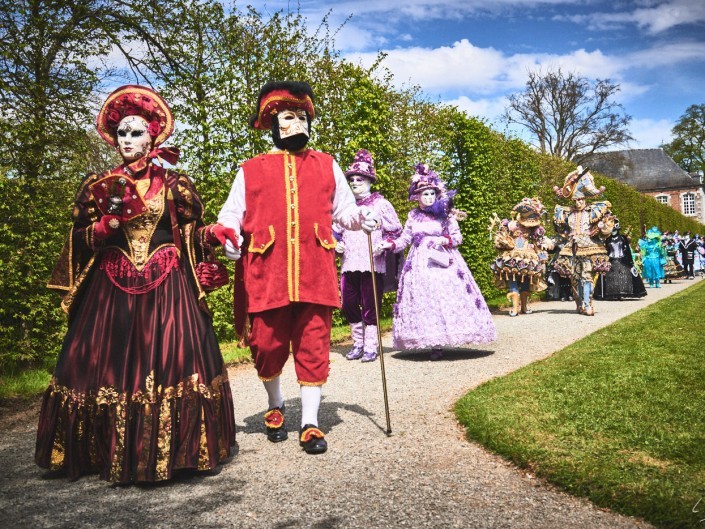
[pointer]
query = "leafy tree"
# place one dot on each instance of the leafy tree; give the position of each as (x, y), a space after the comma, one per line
(688, 146)
(48, 76)
(47, 79)
(569, 116)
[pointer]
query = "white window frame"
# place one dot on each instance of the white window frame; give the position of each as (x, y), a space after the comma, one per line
(690, 195)
(659, 198)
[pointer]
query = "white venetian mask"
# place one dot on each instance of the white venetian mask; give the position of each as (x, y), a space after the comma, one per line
(292, 122)
(360, 186)
(427, 197)
(133, 139)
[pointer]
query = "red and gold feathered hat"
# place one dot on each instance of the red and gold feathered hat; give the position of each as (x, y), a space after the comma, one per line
(276, 96)
(135, 100)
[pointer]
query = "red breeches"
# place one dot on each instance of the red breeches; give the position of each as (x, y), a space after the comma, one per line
(300, 328)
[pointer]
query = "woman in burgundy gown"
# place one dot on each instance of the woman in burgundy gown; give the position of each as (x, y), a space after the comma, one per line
(140, 389)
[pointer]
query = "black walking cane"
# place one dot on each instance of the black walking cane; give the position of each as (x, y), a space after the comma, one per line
(379, 332)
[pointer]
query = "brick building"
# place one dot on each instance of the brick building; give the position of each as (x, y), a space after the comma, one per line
(653, 173)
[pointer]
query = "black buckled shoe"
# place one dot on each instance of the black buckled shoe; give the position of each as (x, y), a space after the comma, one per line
(312, 440)
(275, 425)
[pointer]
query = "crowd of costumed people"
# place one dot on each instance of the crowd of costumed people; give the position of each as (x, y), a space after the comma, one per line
(140, 391)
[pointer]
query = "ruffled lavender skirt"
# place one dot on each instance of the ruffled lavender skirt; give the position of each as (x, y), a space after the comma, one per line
(439, 306)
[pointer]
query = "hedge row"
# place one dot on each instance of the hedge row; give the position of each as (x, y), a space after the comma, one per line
(490, 172)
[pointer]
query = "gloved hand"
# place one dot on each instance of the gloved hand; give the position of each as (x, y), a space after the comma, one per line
(371, 222)
(219, 234)
(231, 251)
(340, 247)
(107, 226)
(382, 247)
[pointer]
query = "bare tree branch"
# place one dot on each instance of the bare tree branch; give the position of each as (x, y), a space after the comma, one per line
(568, 115)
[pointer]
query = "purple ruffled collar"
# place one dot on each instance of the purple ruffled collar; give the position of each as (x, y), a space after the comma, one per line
(369, 200)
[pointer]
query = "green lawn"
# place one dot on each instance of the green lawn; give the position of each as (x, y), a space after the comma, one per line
(619, 416)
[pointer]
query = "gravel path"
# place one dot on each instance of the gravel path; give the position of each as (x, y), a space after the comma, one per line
(424, 475)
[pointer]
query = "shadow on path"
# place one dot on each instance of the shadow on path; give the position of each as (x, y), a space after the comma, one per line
(328, 414)
(327, 523)
(453, 354)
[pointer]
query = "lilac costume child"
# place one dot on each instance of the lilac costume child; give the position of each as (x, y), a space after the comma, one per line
(438, 302)
(356, 279)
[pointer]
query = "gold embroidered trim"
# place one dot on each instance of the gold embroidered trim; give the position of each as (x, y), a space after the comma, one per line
(147, 428)
(267, 379)
(139, 230)
(328, 245)
(188, 199)
(122, 408)
(293, 226)
(261, 247)
(290, 217)
(203, 457)
(303, 383)
(88, 236)
(71, 295)
(297, 235)
(222, 449)
(273, 99)
(164, 439)
(57, 452)
(120, 421)
(108, 395)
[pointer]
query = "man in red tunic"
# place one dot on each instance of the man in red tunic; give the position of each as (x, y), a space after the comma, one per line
(283, 205)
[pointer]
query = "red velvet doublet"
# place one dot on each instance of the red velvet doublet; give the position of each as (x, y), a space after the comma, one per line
(288, 230)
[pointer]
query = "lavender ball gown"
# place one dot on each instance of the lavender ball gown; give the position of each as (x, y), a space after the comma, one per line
(438, 302)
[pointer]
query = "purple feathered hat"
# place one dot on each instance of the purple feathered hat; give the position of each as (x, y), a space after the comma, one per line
(362, 166)
(423, 179)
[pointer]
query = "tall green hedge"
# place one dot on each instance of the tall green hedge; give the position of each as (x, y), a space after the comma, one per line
(490, 172)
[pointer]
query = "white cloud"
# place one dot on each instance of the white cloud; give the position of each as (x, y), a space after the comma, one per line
(483, 74)
(352, 38)
(486, 109)
(653, 19)
(476, 70)
(667, 55)
(431, 10)
(649, 133)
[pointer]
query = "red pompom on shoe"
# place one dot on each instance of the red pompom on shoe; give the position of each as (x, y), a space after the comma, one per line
(105, 227)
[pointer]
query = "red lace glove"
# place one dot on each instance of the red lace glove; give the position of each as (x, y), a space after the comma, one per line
(107, 225)
(218, 234)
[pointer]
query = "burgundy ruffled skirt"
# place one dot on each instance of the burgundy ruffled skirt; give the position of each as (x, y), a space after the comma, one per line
(140, 388)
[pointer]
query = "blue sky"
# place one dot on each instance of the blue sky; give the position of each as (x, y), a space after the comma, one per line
(474, 53)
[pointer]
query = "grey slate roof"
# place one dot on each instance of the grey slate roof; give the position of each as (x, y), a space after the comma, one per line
(643, 169)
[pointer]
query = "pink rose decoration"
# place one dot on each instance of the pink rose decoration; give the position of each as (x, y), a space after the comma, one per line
(114, 118)
(154, 129)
